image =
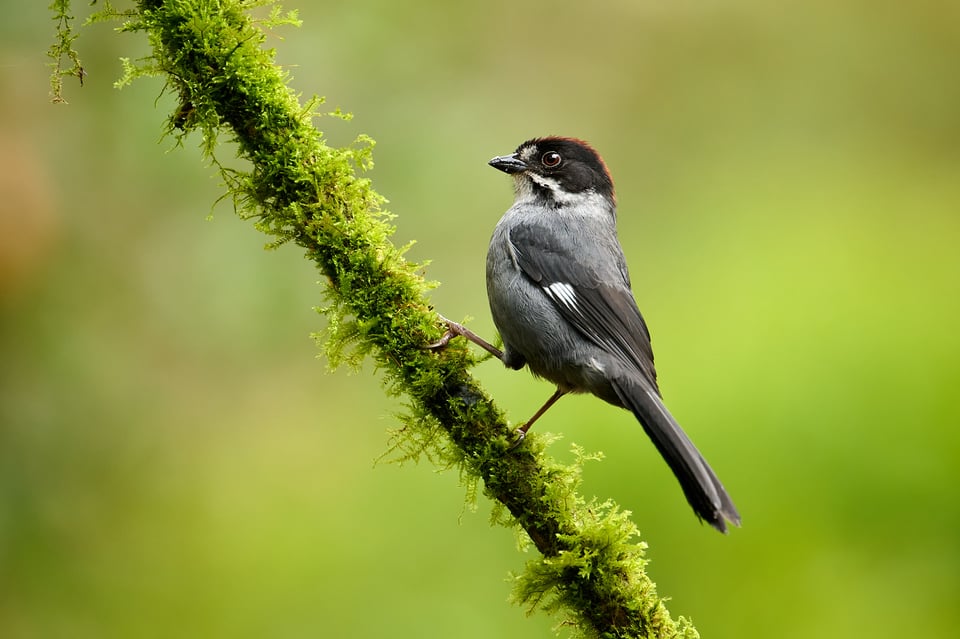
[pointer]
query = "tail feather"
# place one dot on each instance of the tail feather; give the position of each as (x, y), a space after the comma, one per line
(700, 484)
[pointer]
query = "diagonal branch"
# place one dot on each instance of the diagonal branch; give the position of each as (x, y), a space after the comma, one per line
(300, 190)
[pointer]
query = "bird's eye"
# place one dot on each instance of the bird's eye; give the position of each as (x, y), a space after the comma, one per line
(550, 159)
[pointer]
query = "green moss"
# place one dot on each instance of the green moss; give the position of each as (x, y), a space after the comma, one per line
(298, 189)
(66, 60)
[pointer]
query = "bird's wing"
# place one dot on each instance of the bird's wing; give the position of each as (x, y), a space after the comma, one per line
(604, 312)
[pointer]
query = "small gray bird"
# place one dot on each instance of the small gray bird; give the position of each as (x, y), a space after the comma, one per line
(560, 296)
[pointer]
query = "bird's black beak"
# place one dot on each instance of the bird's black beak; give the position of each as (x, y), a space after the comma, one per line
(508, 163)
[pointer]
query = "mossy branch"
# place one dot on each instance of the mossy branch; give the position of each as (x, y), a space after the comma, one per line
(300, 190)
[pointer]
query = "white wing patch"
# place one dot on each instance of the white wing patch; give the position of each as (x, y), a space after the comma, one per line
(563, 294)
(596, 365)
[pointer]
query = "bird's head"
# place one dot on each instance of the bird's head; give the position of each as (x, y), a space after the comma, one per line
(560, 171)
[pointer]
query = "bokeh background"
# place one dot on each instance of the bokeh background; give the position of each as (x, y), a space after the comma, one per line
(176, 461)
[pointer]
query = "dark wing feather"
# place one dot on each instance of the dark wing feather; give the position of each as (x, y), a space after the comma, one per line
(595, 298)
(599, 305)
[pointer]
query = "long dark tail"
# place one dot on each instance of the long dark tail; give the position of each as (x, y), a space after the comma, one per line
(700, 484)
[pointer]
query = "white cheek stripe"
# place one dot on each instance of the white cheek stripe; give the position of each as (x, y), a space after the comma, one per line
(542, 180)
(559, 194)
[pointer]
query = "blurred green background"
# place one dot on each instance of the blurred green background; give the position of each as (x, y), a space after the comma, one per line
(175, 461)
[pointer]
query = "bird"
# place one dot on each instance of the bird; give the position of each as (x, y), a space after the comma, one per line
(561, 299)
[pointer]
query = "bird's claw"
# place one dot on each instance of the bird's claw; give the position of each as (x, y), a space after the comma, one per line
(521, 434)
(452, 331)
(459, 330)
(441, 343)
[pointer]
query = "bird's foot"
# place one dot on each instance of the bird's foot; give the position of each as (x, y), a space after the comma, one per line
(453, 330)
(521, 434)
(459, 330)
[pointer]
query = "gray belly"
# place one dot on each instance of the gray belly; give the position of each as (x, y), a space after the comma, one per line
(532, 328)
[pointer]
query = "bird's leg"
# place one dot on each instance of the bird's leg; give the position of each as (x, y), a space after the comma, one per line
(522, 431)
(459, 330)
